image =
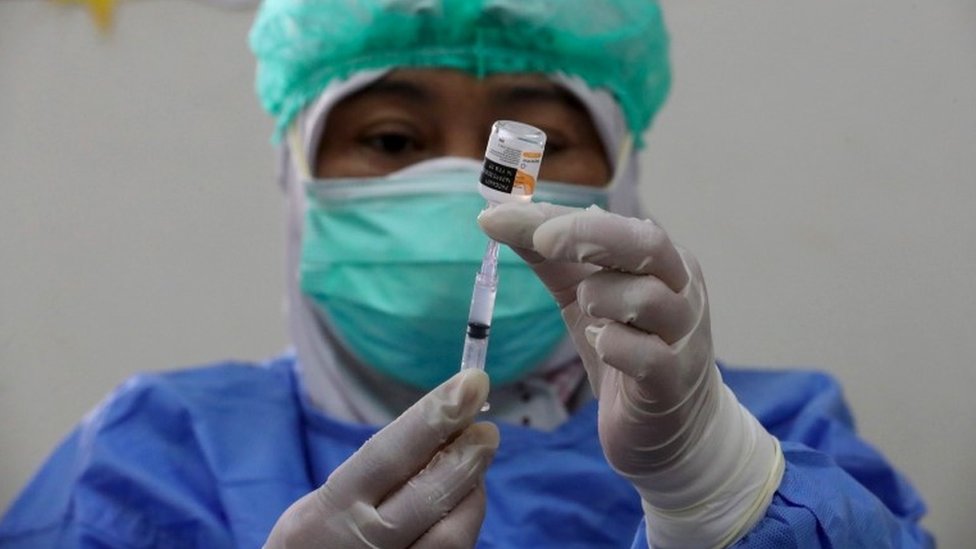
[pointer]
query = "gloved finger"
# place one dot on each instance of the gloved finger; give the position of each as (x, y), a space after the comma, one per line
(646, 358)
(561, 278)
(434, 492)
(576, 322)
(641, 301)
(401, 449)
(613, 241)
(460, 528)
(514, 224)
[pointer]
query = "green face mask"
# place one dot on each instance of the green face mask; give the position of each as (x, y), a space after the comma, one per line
(391, 262)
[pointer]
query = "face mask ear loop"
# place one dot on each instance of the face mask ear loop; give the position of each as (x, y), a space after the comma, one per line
(299, 158)
(623, 161)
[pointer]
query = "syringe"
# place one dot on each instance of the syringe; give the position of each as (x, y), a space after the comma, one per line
(482, 305)
(512, 160)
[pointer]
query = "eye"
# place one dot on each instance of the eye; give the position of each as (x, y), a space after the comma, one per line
(391, 143)
(557, 141)
(555, 146)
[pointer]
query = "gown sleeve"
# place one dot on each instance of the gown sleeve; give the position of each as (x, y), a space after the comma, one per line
(837, 490)
(131, 474)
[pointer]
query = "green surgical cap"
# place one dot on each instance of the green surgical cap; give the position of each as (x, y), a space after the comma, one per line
(619, 45)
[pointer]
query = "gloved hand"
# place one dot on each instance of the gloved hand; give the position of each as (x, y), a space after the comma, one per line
(416, 483)
(637, 311)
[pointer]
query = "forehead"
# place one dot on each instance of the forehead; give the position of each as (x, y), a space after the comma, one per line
(438, 87)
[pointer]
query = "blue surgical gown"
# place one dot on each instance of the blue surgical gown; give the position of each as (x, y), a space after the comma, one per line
(210, 457)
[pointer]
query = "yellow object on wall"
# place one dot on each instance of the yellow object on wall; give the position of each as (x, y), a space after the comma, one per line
(101, 10)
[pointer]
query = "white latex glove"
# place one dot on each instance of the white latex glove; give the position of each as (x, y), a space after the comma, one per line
(637, 311)
(416, 483)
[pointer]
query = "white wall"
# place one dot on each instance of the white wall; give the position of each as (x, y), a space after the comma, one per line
(139, 221)
(820, 160)
(818, 157)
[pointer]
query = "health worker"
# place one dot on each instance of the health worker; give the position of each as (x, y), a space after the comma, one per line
(611, 423)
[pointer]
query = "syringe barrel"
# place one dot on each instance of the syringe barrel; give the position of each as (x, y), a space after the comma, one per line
(482, 304)
(475, 351)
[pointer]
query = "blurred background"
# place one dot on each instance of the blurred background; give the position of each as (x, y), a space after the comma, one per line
(818, 157)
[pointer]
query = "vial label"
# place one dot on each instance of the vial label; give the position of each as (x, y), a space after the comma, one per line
(498, 176)
(512, 163)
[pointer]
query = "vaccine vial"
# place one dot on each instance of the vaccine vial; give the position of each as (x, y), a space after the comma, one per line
(512, 161)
